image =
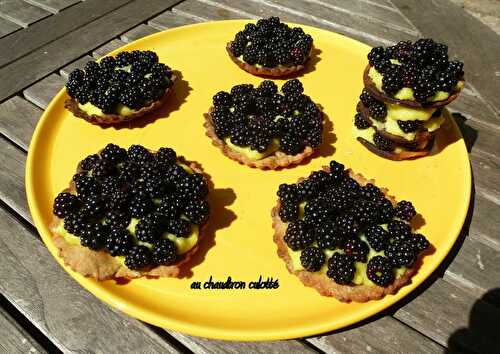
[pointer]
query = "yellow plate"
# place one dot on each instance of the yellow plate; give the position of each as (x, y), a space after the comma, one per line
(242, 245)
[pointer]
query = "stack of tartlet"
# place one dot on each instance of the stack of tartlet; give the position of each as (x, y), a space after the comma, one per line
(406, 87)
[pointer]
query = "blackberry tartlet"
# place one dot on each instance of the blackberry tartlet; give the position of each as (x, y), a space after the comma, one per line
(345, 237)
(119, 89)
(415, 75)
(264, 128)
(131, 213)
(270, 48)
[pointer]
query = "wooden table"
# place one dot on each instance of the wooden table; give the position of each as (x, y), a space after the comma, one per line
(43, 310)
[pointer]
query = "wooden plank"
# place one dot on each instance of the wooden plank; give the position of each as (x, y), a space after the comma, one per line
(198, 9)
(475, 108)
(21, 12)
(44, 90)
(485, 223)
(475, 266)
(170, 20)
(453, 318)
(355, 26)
(137, 33)
(486, 172)
(201, 345)
(53, 27)
(385, 335)
(19, 118)
(386, 3)
(7, 27)
(64, 312)
(58, 53)
(108, 47)
(53, 6)
(14, 338)
(468, 38)
(80, 63)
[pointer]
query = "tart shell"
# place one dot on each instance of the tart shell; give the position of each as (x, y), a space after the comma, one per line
(263, 71)
(108, 119)
(381, 96)
(272, 162)
(398, 156)
(100, 264)
(321, 282)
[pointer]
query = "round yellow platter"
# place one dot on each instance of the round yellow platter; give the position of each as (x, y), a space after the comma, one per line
(239, 242)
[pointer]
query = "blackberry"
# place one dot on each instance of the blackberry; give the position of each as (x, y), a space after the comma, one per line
(360, 122)
(421, 50)
(346, 226)
(165, 156)
(94, 206)
(164, 252)
(378, 110)
(327, 237)
(446, 81)
(385, 210)
(357, 249)
(379, 271)
(237, 48)
(402, 51)
(102, 169)
(251, 54)
(88, 163)
(179, 227)
(123, 59)
(119, 242)
(147, 230)
(292, 87)
(288, 193)
(321, 178)
(383, 143)
(377, 237)
(222, 98)
(291, 144)
(337, 170)
(140, 206)
(376, 55)
(197, 211)
(398, 230)
(456, 68)
(117, 219)
(337, 198)
(156, 186)
(117, 200)
(420, 243)
(405, 210)
(75, 224)
(409, 126)
(114, 153)
(307, 189)
(94, 236)
(424, 88)
(316, 212)
(131, 97)
(139, 154)
(371, 192)
(392, 80)
(64, 204)
(267, 88)
(351, 185)
(341, 268)
(139, 257)
(192, 187)
(366, 98)
(401, 253)
(241, 89)
(169, 208)
(289, 211)
(409, 75)
(298, 236)
(312, 259)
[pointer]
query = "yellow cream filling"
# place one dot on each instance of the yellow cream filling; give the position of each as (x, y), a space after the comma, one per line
(398, 112)
(254, 154)
(406, 93)
(366, 134)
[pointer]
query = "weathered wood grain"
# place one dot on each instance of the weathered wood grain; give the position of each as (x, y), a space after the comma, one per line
(468, 38)
(446, 313)
(53, 6)
(44, 90)
(61, 51)
(65, 313)
(18, 120)
(14, 338)
(198, 9)
(486, 172)
(386, 3)
(137, 32)
(475, 108)
(170, 20)
(80, 63)
(21, 12)
(7, 27)
(53, 27)
(385, 335)
(485, 223)
(106, 48)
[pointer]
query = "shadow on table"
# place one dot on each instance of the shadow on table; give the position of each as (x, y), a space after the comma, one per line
(438, 273)
(482, 334)
(470, 134)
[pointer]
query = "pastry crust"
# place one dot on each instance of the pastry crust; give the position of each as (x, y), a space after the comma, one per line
(263, 71)
(319, 281)
(276, 160)
(422, 136)
(398, 156)
(108, 119)
(100, 264)
(381, 96)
